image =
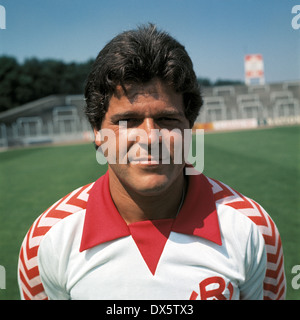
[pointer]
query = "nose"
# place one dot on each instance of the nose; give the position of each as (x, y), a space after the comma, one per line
(151, 130)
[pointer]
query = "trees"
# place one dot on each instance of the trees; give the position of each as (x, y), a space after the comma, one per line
(9, 70)
(34, 79)
(205, 82)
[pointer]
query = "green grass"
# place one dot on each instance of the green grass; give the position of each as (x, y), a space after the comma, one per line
(262, 164)
(31, 180)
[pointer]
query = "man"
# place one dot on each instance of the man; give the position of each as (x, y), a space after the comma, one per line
(146, 229)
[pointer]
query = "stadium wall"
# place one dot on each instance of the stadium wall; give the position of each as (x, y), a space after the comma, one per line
(60, 118)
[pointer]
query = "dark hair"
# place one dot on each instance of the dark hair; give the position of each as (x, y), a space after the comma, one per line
(137, 56)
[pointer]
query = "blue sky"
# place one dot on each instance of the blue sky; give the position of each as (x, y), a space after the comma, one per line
(216, 33)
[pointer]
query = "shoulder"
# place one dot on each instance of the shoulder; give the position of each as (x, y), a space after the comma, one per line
(28, 272)
(225, 195)
(274, 283)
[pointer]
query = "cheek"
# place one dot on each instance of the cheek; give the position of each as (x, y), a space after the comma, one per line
(123, 146)
(112, 143)
(173, 143)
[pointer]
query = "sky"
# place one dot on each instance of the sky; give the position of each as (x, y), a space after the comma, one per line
(217, 34)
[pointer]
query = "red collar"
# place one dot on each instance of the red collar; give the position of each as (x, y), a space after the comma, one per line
(198, 215)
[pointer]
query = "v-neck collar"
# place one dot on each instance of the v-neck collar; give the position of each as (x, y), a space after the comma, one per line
(197, 217)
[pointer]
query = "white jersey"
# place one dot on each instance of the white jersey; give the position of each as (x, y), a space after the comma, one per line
(222, 245)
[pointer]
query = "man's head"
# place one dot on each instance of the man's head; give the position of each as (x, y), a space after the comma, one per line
(138, 56)
(143, 78)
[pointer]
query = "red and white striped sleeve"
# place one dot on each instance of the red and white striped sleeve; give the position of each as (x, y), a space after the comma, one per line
(274, 285)
(29, 279)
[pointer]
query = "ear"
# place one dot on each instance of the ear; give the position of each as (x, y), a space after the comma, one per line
(97, 135)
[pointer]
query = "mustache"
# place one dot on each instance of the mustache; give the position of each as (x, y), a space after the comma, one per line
(143, 153)
(137, 145)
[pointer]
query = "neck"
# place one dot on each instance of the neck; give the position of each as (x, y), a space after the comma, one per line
(134, 207)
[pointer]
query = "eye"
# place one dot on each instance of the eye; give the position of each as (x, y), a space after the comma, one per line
(167, 119)
(129, 121)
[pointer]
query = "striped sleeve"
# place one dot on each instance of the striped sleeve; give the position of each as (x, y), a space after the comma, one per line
(29, 280)
(274, 281)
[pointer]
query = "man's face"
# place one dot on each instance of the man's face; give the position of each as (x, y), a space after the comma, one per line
(140, 115)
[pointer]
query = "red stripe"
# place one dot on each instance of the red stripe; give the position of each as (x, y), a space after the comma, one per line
(33, 290)
(274, 273)
(194, 295)
(31, 273)
(275, 257)
(35, 287)
(263, 220)
(224, 193)
(272, 287)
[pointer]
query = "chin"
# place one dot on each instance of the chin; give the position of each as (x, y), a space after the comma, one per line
(150, 184)
(146, 181)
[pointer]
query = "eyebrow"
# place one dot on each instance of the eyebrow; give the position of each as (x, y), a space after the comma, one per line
(133, 114)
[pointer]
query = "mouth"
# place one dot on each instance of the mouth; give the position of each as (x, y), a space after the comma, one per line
(150, 161)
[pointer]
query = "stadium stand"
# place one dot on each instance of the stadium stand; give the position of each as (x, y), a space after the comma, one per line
(268, 104)
(60, 118)
(213, 109)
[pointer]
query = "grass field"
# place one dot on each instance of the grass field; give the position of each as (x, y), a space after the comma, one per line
(262, 164)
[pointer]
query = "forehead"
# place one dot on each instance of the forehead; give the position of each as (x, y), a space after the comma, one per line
(153, 94)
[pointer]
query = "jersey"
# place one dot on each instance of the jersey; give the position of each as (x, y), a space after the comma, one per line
(221, 245)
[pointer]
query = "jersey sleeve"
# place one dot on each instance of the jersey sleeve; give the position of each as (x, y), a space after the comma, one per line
(255, 267)
(274, 280)
(29, 280)
(32, 271)
(48, 263)
(274, 283)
